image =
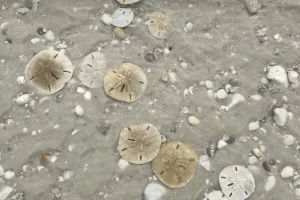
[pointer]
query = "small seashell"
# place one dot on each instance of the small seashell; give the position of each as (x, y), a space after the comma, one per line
(88, 95)
(67, 175)
(23, 11)
(287, 172)
(280, 116)
(47, 158)
(122, 164)
(209, 84)
(221, 94)
(21, 80)
(278, 75)
(163, 138)
(257, 152)
(79, 110)
(8, 175)
(194, 121)
(253, 126)
(23, 99)
(80, 90)
(35, 40)
(106, 19)
(288, 140)
(221, 144)
(188, 26)
(270, 183)
(50, 36)
(119, 33)
(204, 162)
(253, 6)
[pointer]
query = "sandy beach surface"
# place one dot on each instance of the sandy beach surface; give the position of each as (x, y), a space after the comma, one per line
(218, 63)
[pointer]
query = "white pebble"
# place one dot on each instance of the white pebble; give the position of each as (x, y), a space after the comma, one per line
(106, 19)
(204, 162)
(50, 36)
(252, 160)
(183, 65)
(288, 140)
(122, 164)
(154, 191)
(33, 133)
(270, 183)
(8, 175)
(173, 77)
(297, 192)
(210, 93)
(80, 90)
(278, 75)
(20, 80)
(35, 40)
(25, 130)
(67, 175)
(79, 110)
(5, 192)
(71, 147)
(256, 97)
(61, 46)
(194, 121)
(276, 37)
(287, 172)
(221, 94)
(1, 170)
(221, 144)
(293, 77)
(166, 51)
(23, 99)
(209, 84)
(23, 11)
(88, 95)
(253, 126)
(280, 116)
(188, 27)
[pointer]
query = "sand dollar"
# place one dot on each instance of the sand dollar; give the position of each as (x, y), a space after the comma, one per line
(122, 17)
(127, 83)
(176, 164)
(237, 182)
(128, 1)
(139, 144)
(49, 71)
(157, 25)
(91, 70)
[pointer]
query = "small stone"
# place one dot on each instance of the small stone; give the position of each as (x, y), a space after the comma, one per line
(288, 140)
(172, 77)
(204, 162)
(209, 84)
(150, 57)
(40, 31)
(221, 94)
(104, 128)
(278, 75)
(79, 110)
(88, 95)
(33, 133)
(122, 164)
(293, 76)
(119, 33)
(61, 46)
(270, 183)
(56, 192)
(280, 116)
(35, 40)
(23, 11)
(23, 99)
(257, 152)
(154, 191)
(20, 80)
(50, 36)
(67, 175)
(1, 170)
(194, 121)
(80, 90)
(253, 6)
(5, 192)
(183, 65)
(188, 27)
(211, 150)
(253, 126)
(221, 144)
(287, 172)
(106, 19)
(8, 175)
(252, 160)
(296, 183)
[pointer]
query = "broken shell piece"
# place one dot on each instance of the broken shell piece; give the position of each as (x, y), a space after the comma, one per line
(106, 19)
(278, 75)
(194, 121)
(5, 192)
(237, 182)
(215, 195)
(253, 6)
(91, 70)
(127, 83)
(49, 71)
(257, 153)
(67, 175)
(9, 175)
(221, 94)
(280, 116)
(157, 25)
(139, 144)
(221, 144)
(176, 164)
(23, 99)
(122, 164)
(79, 110)
(287, 172)
(127, 1)
(253, 126)
(204, 162)
(288, 140)
(47, 158)
(270, 183)
(154, 191)
(122, 17)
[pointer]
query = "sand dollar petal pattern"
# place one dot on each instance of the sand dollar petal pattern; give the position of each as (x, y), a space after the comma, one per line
(122, 17)
(128, 1)
(157, 25)
(91, 70)
(49, 71)
(176, 164)
(237, 182)
(127, 83)
(215, 195)
(139, 144)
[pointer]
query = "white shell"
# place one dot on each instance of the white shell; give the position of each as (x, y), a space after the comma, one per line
(221, 144)
(288, 140)
(194, 121)
(122, 164)
(270, 183)
(221, 94)
(215, 195)
(21, 80)
(122, 17)
(79, 110)
(5, 192)
(154, 191)
(253, 126)
(280, 116)
(23, 99)
(8, 175)
(106, 19)
(293, 76)
(278, 75)
(287, 172)
(204, 162)
(237, 182)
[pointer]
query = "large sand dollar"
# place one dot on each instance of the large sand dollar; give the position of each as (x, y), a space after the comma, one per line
(49, 71)
(176, 164)
(127, 83)
(139, 144)
(157, 25)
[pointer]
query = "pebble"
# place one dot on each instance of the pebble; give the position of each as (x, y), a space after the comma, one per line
(253, 126)
(257, 153)
(23, 99)
(20, 80)
(106, 19)
(204, 162)
(122, 164)
(88, 95)
(287, 172)
(252, 160)
(79, 110)
(154, 191)
(183, 65)
(278, 75)
(41, 31)
(119, 33)
(1, 170)
(56, 192)
(280, 116)
(5, 192)
(194, 121)
(166, 51)
(50, 36)
(221, 144)
(288, 140)
(211, 150)
(80, 90)
(253, 6)
(294, 79)
(188, 26)
(62, 46)
(67, 175)
(23, 11)
(270, 183)
(8, 175)
(209, 84)
(35, 40)
(221, 94)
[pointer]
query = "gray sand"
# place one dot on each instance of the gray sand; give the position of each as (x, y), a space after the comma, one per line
(224, 35)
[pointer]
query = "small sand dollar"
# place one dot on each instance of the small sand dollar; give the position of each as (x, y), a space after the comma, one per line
(49, 71)
(237, 182)
(139, 144)
(122, 17)
(176, 164)
(157, 25)
(91, 70)
(215, 195)
(127, 1)
(127, 83)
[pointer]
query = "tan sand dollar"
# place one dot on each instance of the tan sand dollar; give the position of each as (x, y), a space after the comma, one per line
(127, 83)
(49, 71)
(91, 70)
(127, 1)
(157, 25)
(176, 164)
(139, 144)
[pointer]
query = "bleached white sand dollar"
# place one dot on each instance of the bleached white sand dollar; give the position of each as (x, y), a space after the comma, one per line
(122, 17)
(92, 70)
(215, 195)
(154, 191)
(237, 182)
